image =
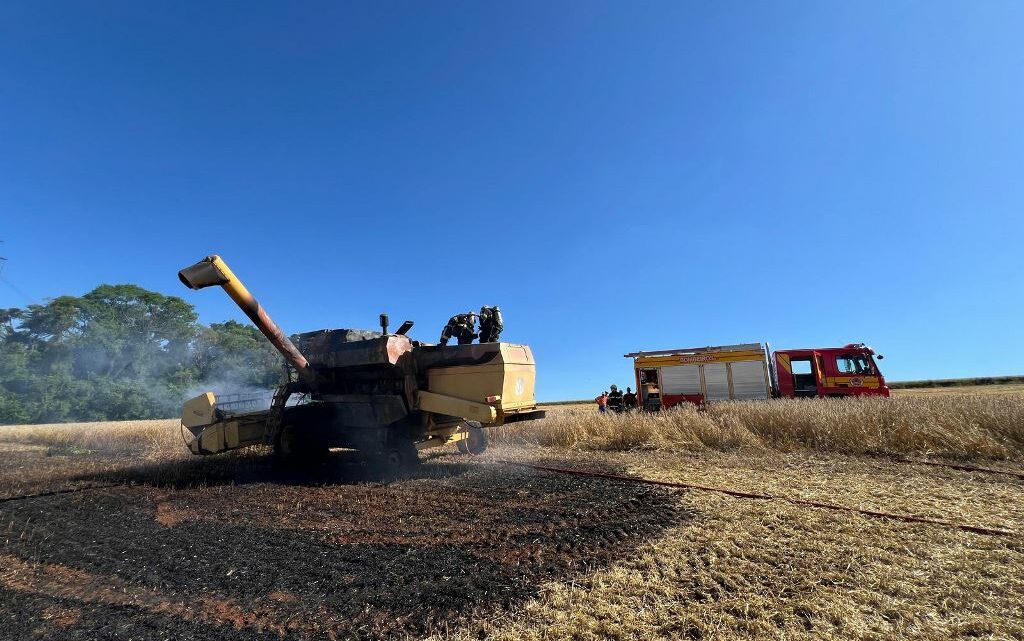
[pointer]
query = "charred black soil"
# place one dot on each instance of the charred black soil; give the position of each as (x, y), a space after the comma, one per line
(233, 548)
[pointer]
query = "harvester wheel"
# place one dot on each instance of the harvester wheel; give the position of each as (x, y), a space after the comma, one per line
(476, 443)
(292, 449)
(401, 454)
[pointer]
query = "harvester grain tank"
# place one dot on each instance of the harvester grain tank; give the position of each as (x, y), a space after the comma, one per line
(752, 371)
(383, 393)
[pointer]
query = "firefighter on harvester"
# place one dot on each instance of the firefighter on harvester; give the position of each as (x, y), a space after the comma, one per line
(490, 324)
(461, 327)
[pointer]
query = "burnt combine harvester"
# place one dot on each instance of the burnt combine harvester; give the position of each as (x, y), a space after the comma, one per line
(379, 392)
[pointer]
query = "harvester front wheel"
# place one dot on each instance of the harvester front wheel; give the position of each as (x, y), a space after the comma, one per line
(400, 454)
(476, 442)
(291, 448)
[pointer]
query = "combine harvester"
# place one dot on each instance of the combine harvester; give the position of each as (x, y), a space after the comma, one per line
(378, 392)
(668, 377)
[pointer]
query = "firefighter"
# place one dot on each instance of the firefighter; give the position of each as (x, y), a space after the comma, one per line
(449, 330)
(485, 324)
(615, 399)
(461, 327)
(629, 399)
(491, 324)
(466, 329)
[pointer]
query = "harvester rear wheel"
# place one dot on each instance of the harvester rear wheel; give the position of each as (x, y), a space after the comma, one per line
(476, 443)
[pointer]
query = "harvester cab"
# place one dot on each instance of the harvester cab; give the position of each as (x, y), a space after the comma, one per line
(382, 393)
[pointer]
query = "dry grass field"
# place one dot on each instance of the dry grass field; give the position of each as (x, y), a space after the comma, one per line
(964, 426)
(112, 531)
(961, 390)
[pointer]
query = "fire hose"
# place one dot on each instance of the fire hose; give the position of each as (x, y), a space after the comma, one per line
(957, 466)
(73, 490)
(910, 518)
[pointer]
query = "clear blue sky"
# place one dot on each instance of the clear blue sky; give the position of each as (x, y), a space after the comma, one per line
(617, 176)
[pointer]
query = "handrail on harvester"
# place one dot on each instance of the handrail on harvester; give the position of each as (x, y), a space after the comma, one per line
(212, 270)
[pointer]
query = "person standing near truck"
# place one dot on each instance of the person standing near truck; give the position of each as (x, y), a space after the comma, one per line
(615, 399)
(629, 399)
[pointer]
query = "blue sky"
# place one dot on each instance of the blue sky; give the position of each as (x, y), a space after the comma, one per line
(617, 176)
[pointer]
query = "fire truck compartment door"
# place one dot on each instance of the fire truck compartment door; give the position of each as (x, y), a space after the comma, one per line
(749, 380)
(820, 375)
(716, 382)
(680, 379)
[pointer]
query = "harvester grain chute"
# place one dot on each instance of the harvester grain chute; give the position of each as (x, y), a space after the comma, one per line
(382, 393)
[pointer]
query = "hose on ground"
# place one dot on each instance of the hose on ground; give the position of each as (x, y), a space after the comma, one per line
(911, 518)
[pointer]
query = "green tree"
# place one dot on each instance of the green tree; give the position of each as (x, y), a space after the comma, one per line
(121, 352)
(234, 356)
(55, 321)
(133, 333)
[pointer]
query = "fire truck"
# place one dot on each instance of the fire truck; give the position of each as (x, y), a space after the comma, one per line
(665, 378)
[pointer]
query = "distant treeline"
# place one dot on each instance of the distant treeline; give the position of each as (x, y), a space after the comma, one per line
(958, 382)
(122, 352)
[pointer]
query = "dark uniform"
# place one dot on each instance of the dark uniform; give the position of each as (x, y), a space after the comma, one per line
(615, 399)
(629, 399)
(491, 324)
(461, 327)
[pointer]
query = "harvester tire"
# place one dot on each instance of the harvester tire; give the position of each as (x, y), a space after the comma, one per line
(292, 449)
(400, 454)
(476, 443)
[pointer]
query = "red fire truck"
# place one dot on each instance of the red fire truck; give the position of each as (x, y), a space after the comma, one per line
(752, 371)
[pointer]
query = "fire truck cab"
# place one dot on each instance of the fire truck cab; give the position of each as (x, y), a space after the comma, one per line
(829, 371)
(751, 371)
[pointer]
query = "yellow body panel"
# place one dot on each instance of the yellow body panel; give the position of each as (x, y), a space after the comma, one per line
(228, 435)
(451, 406)
(214, 271)
(511, 376)
(698, 359)
(783, 361)
(870, 382)
(199, 417)
(199, 410)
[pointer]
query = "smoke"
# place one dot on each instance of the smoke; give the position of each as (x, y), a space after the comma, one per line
(58, 364)
(232, 394)
(224, 388)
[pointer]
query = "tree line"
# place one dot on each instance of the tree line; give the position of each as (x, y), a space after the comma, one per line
(122, 352)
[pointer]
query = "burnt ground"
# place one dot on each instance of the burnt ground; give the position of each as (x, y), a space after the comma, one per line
(103, 546)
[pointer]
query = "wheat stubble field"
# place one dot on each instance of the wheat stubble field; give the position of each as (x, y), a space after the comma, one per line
(110, 530)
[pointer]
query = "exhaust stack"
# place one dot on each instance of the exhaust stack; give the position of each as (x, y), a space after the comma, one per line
(212, 270)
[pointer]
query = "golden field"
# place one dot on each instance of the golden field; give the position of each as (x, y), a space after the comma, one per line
(552, 557)
(989, 426)
(953, 425)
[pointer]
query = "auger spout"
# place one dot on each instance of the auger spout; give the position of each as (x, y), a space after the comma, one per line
(212, 270)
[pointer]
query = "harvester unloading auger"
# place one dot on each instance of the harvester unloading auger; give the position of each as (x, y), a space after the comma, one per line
(382, 393)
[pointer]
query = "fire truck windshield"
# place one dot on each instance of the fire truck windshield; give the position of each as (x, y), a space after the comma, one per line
(855, 364)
